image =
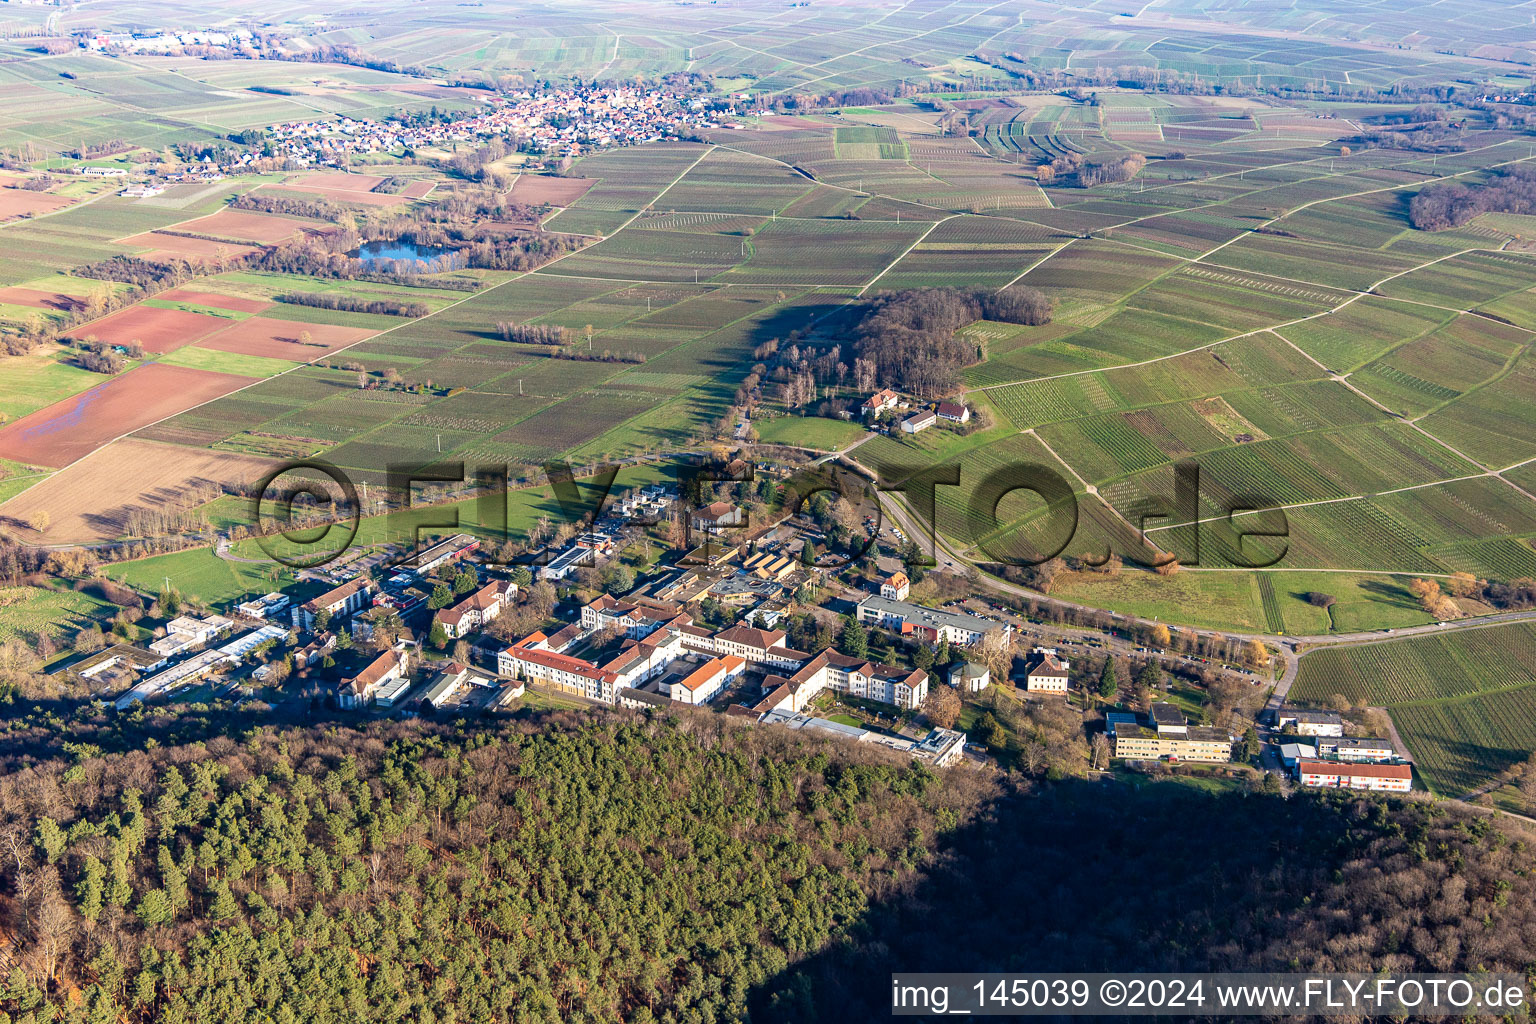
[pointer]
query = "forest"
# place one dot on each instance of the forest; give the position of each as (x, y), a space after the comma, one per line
(612, 866)
(1452, 205)
(910, 337)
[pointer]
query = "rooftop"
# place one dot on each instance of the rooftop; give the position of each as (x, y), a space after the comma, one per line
(934, 618)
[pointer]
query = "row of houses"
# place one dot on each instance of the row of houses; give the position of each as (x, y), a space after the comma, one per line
(568, 120)
(658, 633)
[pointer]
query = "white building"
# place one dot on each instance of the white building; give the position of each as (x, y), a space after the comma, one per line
(477, 609)
(1351, 748)
(704, 683)
(969, 677)
(1045, 672)
(1392, 778)
(199, 631)
(954, 412)
(919, 421)
(1311, 723)
(896, 586)
(361, 690)
(639, 618)
(339, 602)
(265, 607)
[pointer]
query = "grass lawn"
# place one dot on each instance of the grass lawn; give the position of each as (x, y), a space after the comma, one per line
(226, 362)
(546, 702)
(15, 478)
(846, 720)
(40, 378)
(808, 432)
(201, 574)
(1211, 600)
(26, 612)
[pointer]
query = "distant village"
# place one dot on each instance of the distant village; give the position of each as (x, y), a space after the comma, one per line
(567, 121)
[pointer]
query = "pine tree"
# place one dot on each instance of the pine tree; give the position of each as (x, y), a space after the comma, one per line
(854, 639)
(90, 891)
(154, 908)
(224, 906)
(1108, 684)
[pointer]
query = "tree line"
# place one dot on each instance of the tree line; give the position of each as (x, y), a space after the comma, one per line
(353, 304)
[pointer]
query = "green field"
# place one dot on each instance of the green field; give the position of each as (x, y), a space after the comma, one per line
(808, 432)
(1463, 701)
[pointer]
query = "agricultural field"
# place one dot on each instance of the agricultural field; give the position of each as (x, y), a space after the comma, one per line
(1462, 701)
(1252, 298)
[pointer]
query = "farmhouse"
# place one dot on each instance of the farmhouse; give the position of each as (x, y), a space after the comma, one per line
(878, 402)
(954, 412)
(1044, 672)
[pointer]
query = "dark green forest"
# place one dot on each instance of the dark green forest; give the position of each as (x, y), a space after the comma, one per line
(614, 867)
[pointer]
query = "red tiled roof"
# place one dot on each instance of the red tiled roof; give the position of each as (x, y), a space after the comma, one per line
(1368, 771)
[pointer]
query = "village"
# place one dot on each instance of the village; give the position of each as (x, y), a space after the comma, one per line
(564, 121)
(440, 631)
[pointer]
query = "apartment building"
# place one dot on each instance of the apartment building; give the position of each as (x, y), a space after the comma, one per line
(1392, 778)
(477, 609)
(341, 601)
(1170, 735)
